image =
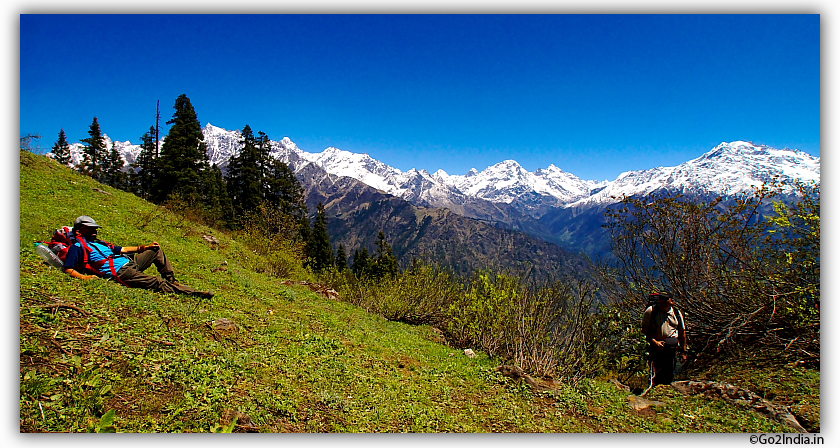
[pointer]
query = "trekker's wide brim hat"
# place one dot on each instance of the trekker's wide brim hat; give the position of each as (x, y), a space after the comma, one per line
(85, 221)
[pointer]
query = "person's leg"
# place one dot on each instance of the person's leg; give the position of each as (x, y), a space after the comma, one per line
(134, 278)
(156, 257)
(663, 366)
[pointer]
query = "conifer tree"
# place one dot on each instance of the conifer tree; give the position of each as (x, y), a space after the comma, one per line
(61, 149)
(283, 191)
(145, 165)
(361, 263)
(94, 159)
(385, 265)
(305, 233)
(341, 258)
(218, 205)
(319, 249)
(113, 174)
(246, 176)
(264, 151)
(183, 156)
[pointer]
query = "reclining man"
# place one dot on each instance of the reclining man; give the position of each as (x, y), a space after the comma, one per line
(122, 264)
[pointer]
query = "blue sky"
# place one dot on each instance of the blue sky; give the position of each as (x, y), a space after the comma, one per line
(595, 95)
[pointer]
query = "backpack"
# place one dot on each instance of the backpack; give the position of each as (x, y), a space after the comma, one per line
(54, 251)
(61, 241)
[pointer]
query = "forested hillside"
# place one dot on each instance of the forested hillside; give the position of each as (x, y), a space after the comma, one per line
(357, 213)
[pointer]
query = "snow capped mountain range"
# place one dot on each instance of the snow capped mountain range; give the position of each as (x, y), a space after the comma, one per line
(727, 169)
(506, 182)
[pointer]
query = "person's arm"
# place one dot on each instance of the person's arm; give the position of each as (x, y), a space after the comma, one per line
(73, 255)
(76, 274)
(138, 249)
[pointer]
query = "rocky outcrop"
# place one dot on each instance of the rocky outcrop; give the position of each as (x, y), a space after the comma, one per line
(737, 395)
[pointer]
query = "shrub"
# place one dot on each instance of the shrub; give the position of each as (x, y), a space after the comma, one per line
(274, 237)
(420, 295)
(549, 329)
(747, 281)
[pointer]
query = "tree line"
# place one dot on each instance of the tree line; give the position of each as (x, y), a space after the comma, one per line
(259, 192)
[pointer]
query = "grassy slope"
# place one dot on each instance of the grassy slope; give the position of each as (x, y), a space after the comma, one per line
(298, 361)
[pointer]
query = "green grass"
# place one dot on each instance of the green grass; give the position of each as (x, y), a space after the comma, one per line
(297, 362)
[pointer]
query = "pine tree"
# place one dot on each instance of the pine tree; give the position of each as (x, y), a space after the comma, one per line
(264, 151)
(61, 149)
(341, 258)
(283, 190)
(145, 165)
(94, 159)
(246, 176)
(361, 263)
(305, 233)
(183, 156)
(218, 205)
(319, 249)
(113, 174)
(385, 265)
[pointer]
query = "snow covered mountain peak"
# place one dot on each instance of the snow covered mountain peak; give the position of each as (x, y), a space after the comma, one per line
(507, 165)
(508, 169)
(215, 130)
(759, 161)
(735, 149)
(335, 153)
(549, 171)
(728, 169)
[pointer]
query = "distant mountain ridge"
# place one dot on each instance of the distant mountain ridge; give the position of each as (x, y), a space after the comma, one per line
(727, 169)
(358, 212)
(549, 203)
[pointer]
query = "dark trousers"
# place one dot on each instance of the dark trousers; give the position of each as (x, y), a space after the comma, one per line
(133, 276)
(664, 361)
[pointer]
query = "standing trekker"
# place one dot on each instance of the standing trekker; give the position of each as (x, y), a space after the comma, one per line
(120, 264)
(664, 329)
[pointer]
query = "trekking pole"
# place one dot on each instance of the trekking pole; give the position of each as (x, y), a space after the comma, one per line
(650, 386)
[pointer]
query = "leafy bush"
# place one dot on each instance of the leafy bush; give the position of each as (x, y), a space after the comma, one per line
(504, 316)
(420, 295)
(747, 281)
(547, 329)
(487, 314)
(274, 238)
